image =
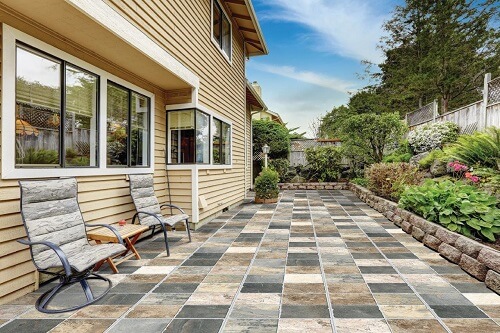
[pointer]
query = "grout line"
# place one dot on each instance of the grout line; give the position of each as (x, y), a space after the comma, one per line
(402, 277)
(231, 307)
(323, 274)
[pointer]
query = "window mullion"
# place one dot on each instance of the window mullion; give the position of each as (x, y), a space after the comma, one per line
(129, 130)
(62, 116)
(221, 23)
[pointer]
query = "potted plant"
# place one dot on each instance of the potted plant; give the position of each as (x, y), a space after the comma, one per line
(266, 187)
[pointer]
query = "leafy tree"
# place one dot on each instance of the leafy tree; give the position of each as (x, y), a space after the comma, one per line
(275, 135)
(294, 135)
(331, 123)
(369, 134)
(368, 100)
(324, 162)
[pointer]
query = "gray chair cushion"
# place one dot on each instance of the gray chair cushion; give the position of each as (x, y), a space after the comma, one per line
(51, 213)
(143, 195)
(86, 256)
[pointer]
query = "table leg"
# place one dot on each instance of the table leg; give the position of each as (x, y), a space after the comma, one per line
(112, 265)
(109, 260)
(131, 246)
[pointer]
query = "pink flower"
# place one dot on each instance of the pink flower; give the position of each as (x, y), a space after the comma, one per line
(474, 179)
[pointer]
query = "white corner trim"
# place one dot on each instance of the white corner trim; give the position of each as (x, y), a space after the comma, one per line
(8, 107)
(103, 14)
(194, 195)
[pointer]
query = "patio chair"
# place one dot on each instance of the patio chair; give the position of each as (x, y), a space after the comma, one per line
(149, 210)
(58, 240)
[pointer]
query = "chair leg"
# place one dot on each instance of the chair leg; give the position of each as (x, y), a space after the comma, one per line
(187, 228)
(164, 228)
(42, 303)
(87, 290)
(44, 300)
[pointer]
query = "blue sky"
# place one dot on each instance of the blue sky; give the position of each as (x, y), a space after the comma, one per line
(316, 48)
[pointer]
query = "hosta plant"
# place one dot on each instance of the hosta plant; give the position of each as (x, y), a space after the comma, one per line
(457, 206)
(432, 136)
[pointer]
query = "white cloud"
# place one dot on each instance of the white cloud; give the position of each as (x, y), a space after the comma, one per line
(324, 81)
(350, 28)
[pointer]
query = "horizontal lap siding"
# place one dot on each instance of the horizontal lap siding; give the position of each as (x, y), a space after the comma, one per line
(183, 28)
(104, 199)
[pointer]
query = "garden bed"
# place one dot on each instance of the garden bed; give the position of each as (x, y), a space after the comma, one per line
(480, 260)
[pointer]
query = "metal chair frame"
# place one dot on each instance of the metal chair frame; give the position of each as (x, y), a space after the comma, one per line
(67, 276)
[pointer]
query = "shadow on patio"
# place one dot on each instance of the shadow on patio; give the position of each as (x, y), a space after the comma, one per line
(316, 260)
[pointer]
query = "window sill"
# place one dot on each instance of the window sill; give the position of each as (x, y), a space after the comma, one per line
(227, 57)
(23, 173)
(199, 167)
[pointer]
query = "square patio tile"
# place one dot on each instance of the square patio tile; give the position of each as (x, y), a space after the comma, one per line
(164, 270)
(194, 325)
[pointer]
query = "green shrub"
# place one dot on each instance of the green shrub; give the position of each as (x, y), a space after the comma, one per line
(360, 181)
(266, 184)
(38, 156)
(478, 149)
(275, 135)
(426, 162)
(432, 136)
(389, 180)
(324, 163)
(457, 206)
(280, 165)
(395, 157)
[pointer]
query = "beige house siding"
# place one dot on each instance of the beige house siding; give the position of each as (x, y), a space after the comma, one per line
(183, 28)
(102, 198)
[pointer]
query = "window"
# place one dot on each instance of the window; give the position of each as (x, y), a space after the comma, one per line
(197, 138)
(58, 116)
(127, 127)
(221, 142)
(221, 29)
(189, 137)
(56, 112)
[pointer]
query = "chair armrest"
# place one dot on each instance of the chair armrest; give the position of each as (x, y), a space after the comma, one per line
(173, 206)
(147, 213)
(59, 252)
(113, 230)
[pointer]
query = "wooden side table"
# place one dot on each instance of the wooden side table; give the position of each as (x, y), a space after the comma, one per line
(130, 234)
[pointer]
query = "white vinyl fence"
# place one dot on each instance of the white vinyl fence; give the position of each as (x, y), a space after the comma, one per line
(470, 118)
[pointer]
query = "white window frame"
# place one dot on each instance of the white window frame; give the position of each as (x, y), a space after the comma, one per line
(228, 57)
(9, 37)
(212, 114)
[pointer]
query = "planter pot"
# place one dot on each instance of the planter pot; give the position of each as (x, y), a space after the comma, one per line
(266, 201)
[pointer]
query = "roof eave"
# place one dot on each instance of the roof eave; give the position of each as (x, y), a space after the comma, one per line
(255, 21)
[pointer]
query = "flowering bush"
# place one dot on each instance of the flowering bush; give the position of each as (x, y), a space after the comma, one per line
(470, 176)
(432, 136)
(457, 169)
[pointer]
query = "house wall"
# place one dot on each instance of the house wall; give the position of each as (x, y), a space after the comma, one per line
(183, 28)
(103, 199)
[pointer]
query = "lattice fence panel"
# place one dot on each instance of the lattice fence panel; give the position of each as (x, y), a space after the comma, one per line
(469, 129)
(494, 91)
(259, 156)
(421, 115)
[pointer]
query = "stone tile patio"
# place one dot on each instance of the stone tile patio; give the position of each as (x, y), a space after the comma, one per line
(319, 261)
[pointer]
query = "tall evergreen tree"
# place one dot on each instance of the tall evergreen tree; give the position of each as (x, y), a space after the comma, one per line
(439, 49)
